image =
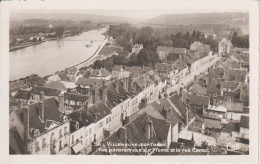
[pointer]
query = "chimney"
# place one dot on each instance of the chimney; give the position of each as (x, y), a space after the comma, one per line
(126, 120)
(123, 134)
(187, 117)
(151, 128)
(95, 116)
(41, 95)
(117, 86)
(96, 97)
(61, 103)
(125, 83)
(104, 92)
(80, 116)
(26, 126)
(221, 88)
(165, 112)
(90, 90)
(148, 130)
(41, 110)
(180, 57)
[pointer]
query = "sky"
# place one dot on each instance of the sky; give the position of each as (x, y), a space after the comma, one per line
(131, 13)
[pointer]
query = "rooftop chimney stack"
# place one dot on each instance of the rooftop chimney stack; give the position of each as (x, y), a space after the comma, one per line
(41, 110)
(41, 95)
(104, 92)
(148, 130)
(117, 86)
(123, 134)
(96, 99)
(80, 116)
(61, 103)
(151, 128)
(26, 126)
(165, 112)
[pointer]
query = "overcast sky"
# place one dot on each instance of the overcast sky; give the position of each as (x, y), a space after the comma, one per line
(132, 13)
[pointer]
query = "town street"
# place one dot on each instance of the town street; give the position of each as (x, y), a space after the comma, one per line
(186, 80)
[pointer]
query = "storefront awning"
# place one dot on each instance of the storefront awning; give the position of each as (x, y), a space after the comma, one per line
(76, 148)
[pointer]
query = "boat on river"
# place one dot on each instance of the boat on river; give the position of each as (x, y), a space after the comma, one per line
(89, 44)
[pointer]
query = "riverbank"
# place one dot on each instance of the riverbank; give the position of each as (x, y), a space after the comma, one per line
(43, 58)
(39, 42)
(88, 61)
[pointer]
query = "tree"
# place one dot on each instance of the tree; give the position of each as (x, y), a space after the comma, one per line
(148, 57)
(59, 31)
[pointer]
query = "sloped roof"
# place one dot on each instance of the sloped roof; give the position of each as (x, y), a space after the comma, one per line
(198, 89)
(213, 123)
(55, 85)
(22, 94)
(103, 72)
(83, 117)
(171, 49)
(17, 85)
(199, 100)
(75, 97)
(161, 128)
(47, 91)
(235, 75)
(136, 130)
(51, 112)
(89, 81)
(213, 88)
(175, 99)
(16, 144)
(63, 76)
(100, 109)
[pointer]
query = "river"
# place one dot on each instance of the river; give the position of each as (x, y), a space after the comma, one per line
(51, 56)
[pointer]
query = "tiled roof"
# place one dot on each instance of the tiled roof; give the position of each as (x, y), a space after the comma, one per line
(100, 109)
(174, 117)
(175, 99)
(22, 94)
(55, 85)
(161, 128)
(230, 84)
(20, 84)
(171, 49)
(230, 127)
(47, 91)
(213, 123)
(114, 98)
(75, 97)
(83, 117)
(136, 130)
(161, 66)
(198, 89)
(16, 144)
(99, 72)
(199, 100)
(213, 88)
(51, 112)
(63, 76)
(89, 81)
(244, 122)
(235, 75)
(216, 73)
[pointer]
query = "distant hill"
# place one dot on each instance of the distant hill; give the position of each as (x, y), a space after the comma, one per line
(201, 18)
(72, 16)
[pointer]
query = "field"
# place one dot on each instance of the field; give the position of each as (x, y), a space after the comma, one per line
(108, 50)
